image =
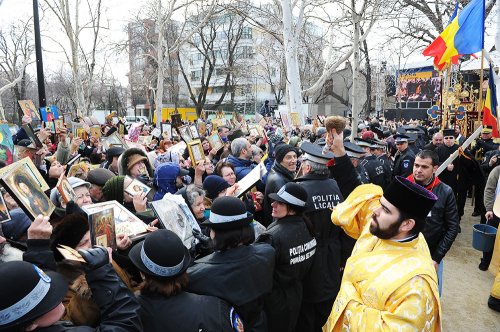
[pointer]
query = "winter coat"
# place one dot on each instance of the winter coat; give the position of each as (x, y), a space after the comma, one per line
(442, 223)
(276, 178)
(242, 276)
(186, 312)
(322, 283)
(165, 177)
(295, 248)
(241, 166)
(117, 305)
(403, 163)
(81, 309)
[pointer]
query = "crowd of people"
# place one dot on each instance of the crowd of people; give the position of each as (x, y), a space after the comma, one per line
(335, 234)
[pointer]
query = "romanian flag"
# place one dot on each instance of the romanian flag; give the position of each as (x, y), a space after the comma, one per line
(490, 107)
(463, 35)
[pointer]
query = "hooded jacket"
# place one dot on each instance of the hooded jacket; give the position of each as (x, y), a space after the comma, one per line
(123, 161)
(241, 166)
(165, 179)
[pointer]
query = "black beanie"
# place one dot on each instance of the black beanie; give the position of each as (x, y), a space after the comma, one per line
(282, 150)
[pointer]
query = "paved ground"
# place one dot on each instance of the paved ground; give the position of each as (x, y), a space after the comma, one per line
(465, 287)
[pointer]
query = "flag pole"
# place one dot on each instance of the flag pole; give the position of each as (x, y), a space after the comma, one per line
(480, 111)
(445, 112)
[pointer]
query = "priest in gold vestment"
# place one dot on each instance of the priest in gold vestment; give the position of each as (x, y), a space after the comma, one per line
(389, 282)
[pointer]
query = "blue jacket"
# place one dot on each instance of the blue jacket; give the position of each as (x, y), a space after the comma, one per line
(164, 179)
(241, 166)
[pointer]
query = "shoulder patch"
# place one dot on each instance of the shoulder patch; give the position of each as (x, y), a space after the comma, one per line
(236, 321)
(406, 163)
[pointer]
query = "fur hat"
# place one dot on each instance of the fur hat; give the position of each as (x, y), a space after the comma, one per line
(69, 232)
(130, 157)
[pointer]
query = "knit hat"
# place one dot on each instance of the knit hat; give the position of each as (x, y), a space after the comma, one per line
(134, 159)
(282, 150)
(69, 232)
(113, 189)
(213, 185)
(99, 176)
(368, 135)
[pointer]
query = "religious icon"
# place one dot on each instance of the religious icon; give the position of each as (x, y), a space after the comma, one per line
(29, 109)
(102, 228)
(20, 184)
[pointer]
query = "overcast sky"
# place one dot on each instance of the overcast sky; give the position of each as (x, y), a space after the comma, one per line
(116, 12)
(119, 12)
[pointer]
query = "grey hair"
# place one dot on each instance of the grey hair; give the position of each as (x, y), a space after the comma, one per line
(238, 145)
(317, 168)
(256, 150)
(193, 192)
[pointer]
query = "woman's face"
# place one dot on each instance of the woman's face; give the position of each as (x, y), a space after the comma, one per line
(279, 210)
(82, 196)
(84, 242)
(56, 169)
(209, 167)
(205, 145)
(228, 175)
(138, 169)
(24, 188)
(198, 207)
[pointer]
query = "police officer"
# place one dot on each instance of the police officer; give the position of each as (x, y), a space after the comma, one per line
(165, 306)
(485, 143)
(322, 283)
(355, 153)
(378, 149)
(404, 157)
(374, 167)
(291, 237)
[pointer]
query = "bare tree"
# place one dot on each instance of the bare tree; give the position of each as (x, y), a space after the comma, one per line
(79, 21)
(16, 48)
(217, 49)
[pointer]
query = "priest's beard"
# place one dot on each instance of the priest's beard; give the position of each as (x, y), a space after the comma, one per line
(384, 234)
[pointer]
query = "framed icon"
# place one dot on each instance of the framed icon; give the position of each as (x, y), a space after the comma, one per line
(195, 152)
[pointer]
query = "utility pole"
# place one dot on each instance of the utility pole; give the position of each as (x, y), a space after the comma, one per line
(39, 62)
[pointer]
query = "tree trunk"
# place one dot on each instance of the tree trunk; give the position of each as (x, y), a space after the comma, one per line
(292, 61)
(355, 82)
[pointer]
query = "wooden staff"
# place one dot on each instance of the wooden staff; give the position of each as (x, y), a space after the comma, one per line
(480, 106)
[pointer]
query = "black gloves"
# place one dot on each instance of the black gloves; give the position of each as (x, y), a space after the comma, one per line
(203, 247)
(95, 257)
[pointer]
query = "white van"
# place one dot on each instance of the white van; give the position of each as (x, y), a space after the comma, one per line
(138, 118)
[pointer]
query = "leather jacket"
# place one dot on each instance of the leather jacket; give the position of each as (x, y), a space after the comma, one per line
(441, 225)
(277, 177)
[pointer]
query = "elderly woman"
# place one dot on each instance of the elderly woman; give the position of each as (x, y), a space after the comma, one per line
(290, 230)
(165, 305)
(239, 271)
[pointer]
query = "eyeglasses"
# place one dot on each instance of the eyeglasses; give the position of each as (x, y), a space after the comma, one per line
(400, 143)
(449, 137)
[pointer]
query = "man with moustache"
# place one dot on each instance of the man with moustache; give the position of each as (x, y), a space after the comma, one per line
(389, 281)
(442, 223)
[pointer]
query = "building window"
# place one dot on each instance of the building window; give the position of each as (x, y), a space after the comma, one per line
(244, 52)
(246, 33)
(218, 89)
(196, 74)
